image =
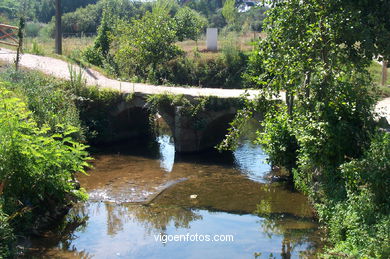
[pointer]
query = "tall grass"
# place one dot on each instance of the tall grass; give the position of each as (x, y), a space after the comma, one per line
(47, 44)
(77, 78)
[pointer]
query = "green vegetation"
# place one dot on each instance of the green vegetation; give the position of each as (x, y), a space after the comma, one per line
(43, 123)
(191, 106)
(47, 98)
(40, 10)
(146, 43)
(224, 71)
(189, 24)
(326, 136)
(37, 169)
(360, 224)
(157, 58)
(375, 70)
(319, 53)
(230, 13)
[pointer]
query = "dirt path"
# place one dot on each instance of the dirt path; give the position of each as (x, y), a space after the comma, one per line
(60, 69)
(383, 108)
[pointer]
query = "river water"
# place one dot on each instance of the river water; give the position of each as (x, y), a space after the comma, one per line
(141, 192)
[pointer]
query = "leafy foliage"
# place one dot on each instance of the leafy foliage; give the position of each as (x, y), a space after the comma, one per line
(37, 166)
(6, 235)
(225, 71)
(87, 18)
(360, 224)
(189, 24)
(144, 44)
(230, 13)
(42, 10)
(97, 54)
(317, 53)
(51, 104)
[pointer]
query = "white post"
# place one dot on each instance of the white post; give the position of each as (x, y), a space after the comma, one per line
(212, 39)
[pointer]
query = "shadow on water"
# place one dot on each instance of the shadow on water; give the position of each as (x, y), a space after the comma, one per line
(213, 194)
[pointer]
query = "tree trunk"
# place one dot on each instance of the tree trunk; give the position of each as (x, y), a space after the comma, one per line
(384, 72)
(58, 33)
(20, 44)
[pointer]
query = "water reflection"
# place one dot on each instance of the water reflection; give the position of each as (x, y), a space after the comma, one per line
(128, 231)
(250, 159)
(167, 152)
(210, 193)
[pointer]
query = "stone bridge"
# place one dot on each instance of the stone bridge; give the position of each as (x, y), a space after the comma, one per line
(192, 132)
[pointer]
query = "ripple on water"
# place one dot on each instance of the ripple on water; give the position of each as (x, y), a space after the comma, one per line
(192, 195)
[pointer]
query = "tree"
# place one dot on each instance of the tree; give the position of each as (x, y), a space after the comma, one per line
(145, 43)
(189, 24)
(318, 52)
(312, 53)
(102, 42)
(229, 12)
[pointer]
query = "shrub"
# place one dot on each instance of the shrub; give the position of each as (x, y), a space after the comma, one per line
(32, 29)
(223, 72)
(46, 97)
(359, 225)
(36, 49)
(146, 43)
(372, 171)
(278, 140)
(93, 56)
(189, 24)
(37, 166)
(6, 235)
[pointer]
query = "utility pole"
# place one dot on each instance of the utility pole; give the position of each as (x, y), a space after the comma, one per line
(384, 72)
(58, 33)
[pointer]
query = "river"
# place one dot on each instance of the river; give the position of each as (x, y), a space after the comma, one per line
(219, 205)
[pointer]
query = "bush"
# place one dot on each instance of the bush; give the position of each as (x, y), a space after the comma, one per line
(372, 172)
(82, 20)
(189, 24)
(51, 104)
(146, 43)
(37, 166)
(93, 56)
(223, 72)
(359, 225)
(6, 235)
(278, 139)
(32, 29)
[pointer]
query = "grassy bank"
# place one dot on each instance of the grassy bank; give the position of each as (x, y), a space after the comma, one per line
(44, 125)
(376, 73)
(40, 151)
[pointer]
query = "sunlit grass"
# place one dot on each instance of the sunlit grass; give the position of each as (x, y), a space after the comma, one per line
(241, 41)
(46, 45)
(376, 73)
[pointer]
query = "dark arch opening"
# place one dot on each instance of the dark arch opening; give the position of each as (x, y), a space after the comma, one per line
(215, 131)
(131, 123)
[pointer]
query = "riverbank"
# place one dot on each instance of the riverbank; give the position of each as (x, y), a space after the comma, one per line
(295, 223)
(39, 91)
(40, 153)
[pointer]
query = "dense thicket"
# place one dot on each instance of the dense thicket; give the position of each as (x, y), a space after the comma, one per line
(318, 52)
(39, 154)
